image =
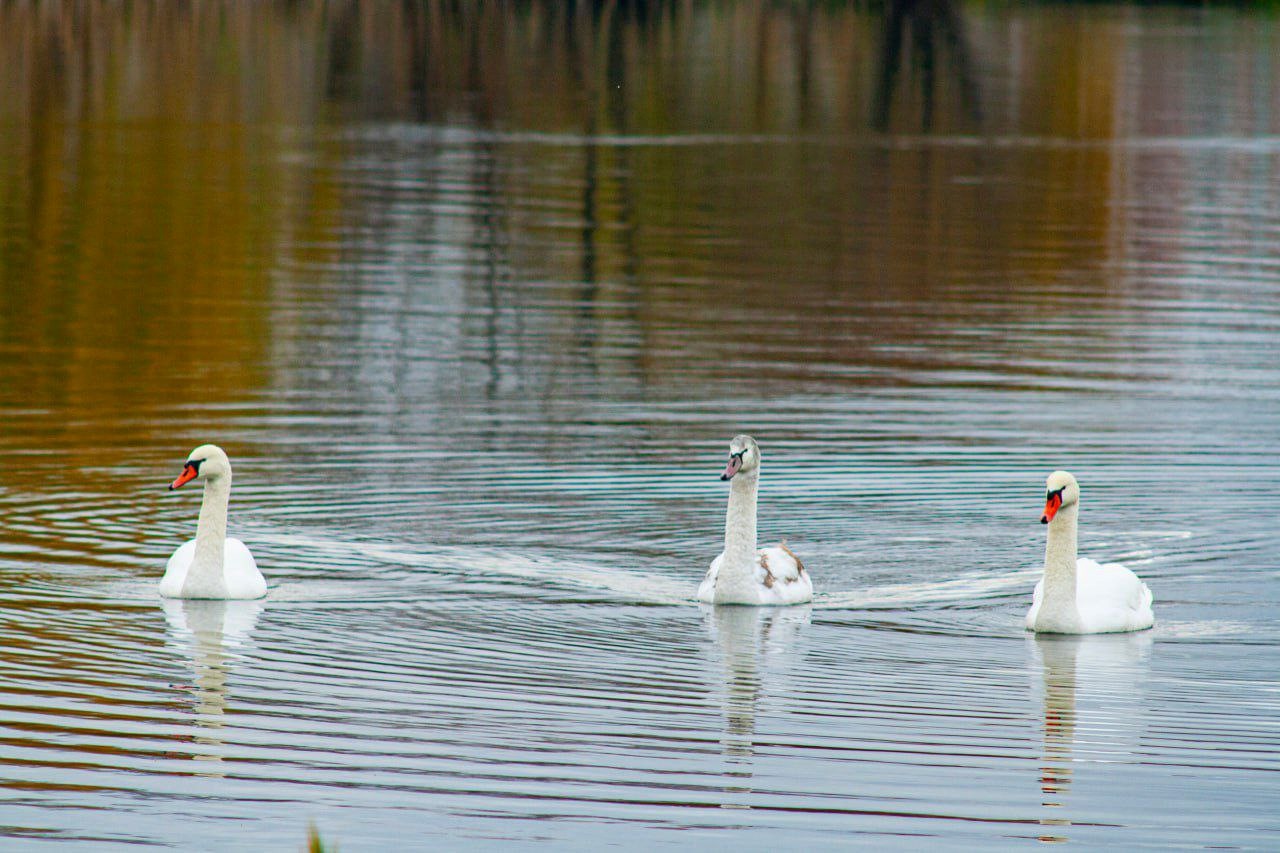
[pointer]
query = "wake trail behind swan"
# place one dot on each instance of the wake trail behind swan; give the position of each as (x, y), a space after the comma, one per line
(633, 587)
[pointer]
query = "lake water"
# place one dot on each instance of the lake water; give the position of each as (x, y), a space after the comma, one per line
(475, 296)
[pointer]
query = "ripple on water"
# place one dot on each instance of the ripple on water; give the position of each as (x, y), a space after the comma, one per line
(477, 384)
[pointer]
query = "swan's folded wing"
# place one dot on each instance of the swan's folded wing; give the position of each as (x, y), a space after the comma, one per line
(1036, 597)
(779, 565)
(782, 577)
(707, 589)
(244, 580)
(1111, 594)
(175, 572)
(1110, 582)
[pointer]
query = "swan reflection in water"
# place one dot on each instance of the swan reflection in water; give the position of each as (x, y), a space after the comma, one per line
(757, 646)
(1093, 709)
(210, 633)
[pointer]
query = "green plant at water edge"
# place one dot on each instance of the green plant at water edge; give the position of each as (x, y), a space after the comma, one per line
(315, 844)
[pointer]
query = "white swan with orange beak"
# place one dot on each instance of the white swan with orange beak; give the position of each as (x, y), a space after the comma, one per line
(1078, 595)
(213, 565)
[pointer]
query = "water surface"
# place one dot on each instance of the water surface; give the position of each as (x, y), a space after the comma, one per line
(475, 300)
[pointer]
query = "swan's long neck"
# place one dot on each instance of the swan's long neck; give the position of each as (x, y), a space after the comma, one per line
(206, 577)
(738, 570)
(1058, 608)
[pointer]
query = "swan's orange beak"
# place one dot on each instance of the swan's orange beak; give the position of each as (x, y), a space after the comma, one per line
(735, 462)
(1051, 507)
(189, 473)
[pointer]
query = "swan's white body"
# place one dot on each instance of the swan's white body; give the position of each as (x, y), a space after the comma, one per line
(742, 574)
(1077, 595)
(240, 577)
(212, 565)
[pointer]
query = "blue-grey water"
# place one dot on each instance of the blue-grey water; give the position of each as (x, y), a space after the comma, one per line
(475, 297)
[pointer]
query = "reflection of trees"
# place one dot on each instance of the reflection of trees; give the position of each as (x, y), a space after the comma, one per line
(138, 216)
(934, 30)
(198, 156)
(751, 65)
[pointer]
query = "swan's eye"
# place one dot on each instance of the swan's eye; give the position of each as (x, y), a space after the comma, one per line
(1050, 495)
(739, 454)
(193, 463)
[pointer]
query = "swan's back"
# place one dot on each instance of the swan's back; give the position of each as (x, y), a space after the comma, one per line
(240, 571)
(780, 579)
(244, 580)
(1109, 598)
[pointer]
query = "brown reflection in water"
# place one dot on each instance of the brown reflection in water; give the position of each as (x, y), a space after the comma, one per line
(172, 175)
(935, 32)
(141, 201)
(63, 664)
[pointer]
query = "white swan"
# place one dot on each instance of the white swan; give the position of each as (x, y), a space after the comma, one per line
(741, 574)
(1081, 596)
(212, 565)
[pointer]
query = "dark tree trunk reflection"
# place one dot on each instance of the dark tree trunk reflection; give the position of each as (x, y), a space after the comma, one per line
(932, 28)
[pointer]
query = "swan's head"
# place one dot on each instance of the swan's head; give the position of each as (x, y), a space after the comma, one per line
(208, 461)
(1061, 489)
(744, 457)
